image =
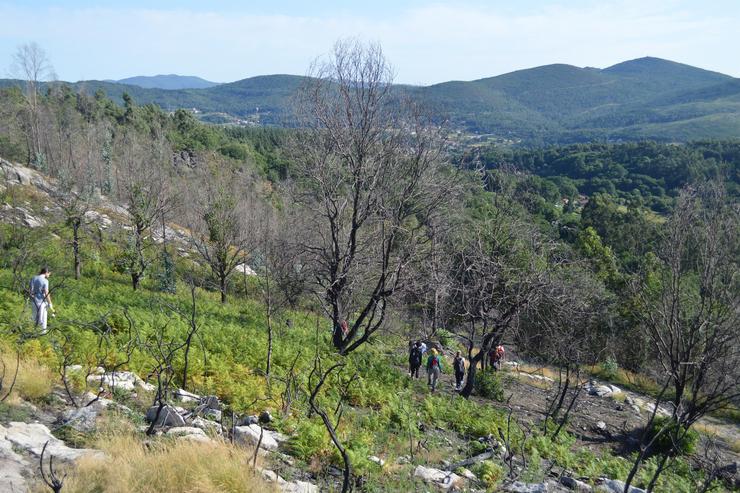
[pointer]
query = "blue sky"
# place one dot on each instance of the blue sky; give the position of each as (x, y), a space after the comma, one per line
(425, 41)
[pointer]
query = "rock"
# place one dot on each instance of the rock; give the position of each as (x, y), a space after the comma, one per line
(615, 486)
(404, 459)
(442, 479)
(729, 473)
(248, 420)
(206, 425)
(210, 402)
(101, 220)
(265, 417)
(121, 380)
(185, 396)
(167, 417)
(519, 487)
(467, 474)
(83, 419)
(601, 426)
(213, 415)
(189, 433)
(377, 460)
(32, 437)
(298, 487)
(12, 466)
(575, 485)
(250, 435)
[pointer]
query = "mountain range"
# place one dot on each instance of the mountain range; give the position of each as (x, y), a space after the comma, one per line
(646, 98)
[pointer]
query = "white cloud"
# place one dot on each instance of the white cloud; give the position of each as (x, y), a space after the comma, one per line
(426, 44)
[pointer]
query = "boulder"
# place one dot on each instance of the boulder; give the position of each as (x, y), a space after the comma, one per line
(206, 425)
(298, 487)
(189, 433)
(575, 485)
(121, 380)
(250, 435)
(468, 474)
(247, 420)
(213, 415)
(185, 396)
(210, 402)
(167, 417)
(519, 487)
(616, 486)
(32, 437)
(442, 479)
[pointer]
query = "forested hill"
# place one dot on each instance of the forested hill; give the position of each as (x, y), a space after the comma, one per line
(647, 98)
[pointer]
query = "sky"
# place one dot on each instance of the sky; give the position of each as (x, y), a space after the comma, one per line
(426, 42)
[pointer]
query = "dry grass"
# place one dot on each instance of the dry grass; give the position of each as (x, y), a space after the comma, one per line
(34, 381)
(164, 466)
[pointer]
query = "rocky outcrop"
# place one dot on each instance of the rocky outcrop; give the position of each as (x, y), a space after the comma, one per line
(168, 416)
(12, 466)
(31, 437)
(615, 486)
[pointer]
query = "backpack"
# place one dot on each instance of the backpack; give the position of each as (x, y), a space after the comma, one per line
(435, 361)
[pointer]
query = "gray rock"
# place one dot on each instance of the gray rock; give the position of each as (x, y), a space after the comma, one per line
(12, 466)
(441, 479)
(250, 435)
(468, 474)
(519, 487)
(211, 402)
(185, 396)
(248, 420)
(298, 487)
(601, 426)
(575, 485)
(32, 437)
(206, 425)
(167, 417)
(616, 486)
(213, 415)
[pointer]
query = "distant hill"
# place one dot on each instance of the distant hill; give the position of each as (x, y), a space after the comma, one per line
(170, 82)
(646, 98)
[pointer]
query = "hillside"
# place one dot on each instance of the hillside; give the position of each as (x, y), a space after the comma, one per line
(400, 436)
(647, 98)
(170, 81)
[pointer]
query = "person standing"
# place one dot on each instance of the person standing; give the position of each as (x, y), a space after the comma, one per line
(415, 357)
(459, 367)
(434, 368)
(40, 298)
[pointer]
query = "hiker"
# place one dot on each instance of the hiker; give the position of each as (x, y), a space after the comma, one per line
(497, 357)
(434, 368)
(423, 347)
(459, 366)
(40, 298)
(415, 356)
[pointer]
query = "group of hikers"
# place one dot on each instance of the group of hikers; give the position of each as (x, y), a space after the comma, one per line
(434, 359)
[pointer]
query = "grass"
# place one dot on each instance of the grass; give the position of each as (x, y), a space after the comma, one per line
(34, 381)
(163, 466)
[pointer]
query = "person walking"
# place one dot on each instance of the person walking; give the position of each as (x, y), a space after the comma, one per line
(434, 368)
(497, 357)
(459, 367)
(40, 298)
(415, 356)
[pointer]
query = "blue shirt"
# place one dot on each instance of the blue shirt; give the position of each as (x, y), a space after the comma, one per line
(39, 287)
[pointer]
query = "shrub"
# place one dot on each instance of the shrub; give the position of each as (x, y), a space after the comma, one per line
(488, 384)
(490, 473)
(609, 368)
(446, 338)
(686, 438)
(310, 440)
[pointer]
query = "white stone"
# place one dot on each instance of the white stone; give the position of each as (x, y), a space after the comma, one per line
(250, 435)
(244, 269)
(168, 416)
(575, 485)
(442, 479)
(185, 396)
(468, 474)
(185, 430)
(377, 460)
(206, 425)
(32, 437)
(298, 487)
